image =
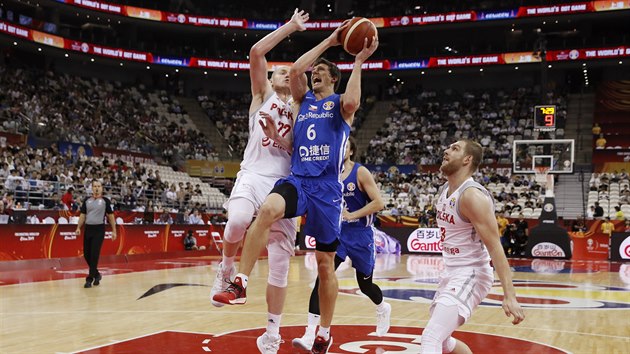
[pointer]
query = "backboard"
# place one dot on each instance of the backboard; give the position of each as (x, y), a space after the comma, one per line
(557, 154)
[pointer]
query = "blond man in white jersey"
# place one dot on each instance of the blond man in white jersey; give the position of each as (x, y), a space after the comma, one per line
(264, 162)
(470, 236)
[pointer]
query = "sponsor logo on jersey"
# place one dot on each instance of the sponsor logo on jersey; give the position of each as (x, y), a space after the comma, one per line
(329, 105)
(451, 202)
(446, 217)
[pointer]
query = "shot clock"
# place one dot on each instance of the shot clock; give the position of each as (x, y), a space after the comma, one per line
(545, 118)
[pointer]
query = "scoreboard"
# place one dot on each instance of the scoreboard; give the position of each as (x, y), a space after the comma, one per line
(545, 117)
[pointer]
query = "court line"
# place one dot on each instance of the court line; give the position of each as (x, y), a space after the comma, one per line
(237, 313)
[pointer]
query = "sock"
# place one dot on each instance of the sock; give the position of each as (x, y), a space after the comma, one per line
(324, 332)
(381, 306)
(313, 322)
(228, 262)
(273, 325)
(243, 278)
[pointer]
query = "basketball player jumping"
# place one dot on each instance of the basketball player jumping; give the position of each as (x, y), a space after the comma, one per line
(470, 236)
(264, 162)
(363, 199)
(321, 130)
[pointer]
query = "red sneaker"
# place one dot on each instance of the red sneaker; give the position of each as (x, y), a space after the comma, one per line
(235, 294)
(321, 345)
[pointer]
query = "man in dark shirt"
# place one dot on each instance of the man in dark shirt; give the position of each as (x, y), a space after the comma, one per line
(93, 211)
(599, 211)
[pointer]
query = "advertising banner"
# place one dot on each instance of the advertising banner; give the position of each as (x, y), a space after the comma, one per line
(128, 156)
(18, 242)
(202, 168)
(425, 240)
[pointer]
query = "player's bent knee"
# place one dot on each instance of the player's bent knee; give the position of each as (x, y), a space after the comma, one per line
(236, 226)
(278, 269)
(449, 345)
(270, 212)
(432, 338)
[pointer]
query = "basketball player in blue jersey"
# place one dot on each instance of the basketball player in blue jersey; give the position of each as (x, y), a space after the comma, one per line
(264, 162)
(320, 133)
(363, 199)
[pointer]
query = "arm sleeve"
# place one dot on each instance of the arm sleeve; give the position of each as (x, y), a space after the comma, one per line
(83, 208)
(108, 206)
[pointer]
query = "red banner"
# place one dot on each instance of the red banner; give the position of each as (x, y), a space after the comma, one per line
(19, 242)
(12, 139)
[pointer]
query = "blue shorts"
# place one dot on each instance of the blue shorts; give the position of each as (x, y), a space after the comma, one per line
(358, 244)
(320, 199)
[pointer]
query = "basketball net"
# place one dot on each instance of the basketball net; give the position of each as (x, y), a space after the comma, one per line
(545, 179)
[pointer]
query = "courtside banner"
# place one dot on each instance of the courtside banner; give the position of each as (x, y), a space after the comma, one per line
(128, 156)
(425, 240)
(19, 242)
(620, 246)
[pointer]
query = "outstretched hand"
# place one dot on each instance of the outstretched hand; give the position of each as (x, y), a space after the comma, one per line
(367, 51)
(268, 125)
(299, 18)
(511, 307)
(334, 38)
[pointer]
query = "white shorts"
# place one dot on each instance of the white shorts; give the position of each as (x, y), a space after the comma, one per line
(255, 188)
(465, 287)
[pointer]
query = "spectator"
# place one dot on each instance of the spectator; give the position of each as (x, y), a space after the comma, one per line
(195, 218)
(626, 226)
(607, 227)
(590, 212)
(596, 129)
(522, 235)
(600, 143)
(190, 242)
(599, 211)
(619, 214)
(165, 219)
(578, 225)
(68, 198)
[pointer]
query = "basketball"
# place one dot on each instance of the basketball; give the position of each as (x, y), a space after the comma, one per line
(352, 38)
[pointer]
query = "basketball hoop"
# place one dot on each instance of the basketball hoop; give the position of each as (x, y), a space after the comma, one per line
(545, 179)
(541, 174)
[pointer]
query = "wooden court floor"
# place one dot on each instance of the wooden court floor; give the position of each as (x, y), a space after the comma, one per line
(162, 306)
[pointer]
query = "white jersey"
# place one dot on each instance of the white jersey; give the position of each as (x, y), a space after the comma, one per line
(461, 244)
(262, 155)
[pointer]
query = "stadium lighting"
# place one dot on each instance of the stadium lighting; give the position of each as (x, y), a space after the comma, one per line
(14, 43)
(450, 71)
(481, 69)
(66, 55)
(92, 60)
(39, 49)
(148, 67)
(549, 66)
(205, 73)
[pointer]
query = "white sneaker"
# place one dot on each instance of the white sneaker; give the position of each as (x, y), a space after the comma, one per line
(268, 344)
(305, 342)
(382, 319)
(221, 282)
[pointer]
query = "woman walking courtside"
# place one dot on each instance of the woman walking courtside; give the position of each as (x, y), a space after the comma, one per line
(93, 211)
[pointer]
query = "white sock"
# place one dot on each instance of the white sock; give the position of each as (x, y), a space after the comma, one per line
(381, 306)
(273, 325)
(313, 322)
(244, 278)
(324, 332)
(228, 262)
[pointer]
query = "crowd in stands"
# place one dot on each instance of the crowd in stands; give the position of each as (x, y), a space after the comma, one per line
(420, 125)
(50, 179)
(414, 194)
(609, 195)
(97, 113)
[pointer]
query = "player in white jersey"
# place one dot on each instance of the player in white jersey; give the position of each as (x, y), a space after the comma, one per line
(264, 162)
(470, 236)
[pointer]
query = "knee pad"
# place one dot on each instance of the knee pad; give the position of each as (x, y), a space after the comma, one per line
(278, 267)
(240, 215)
(432, 338)
(449, 345)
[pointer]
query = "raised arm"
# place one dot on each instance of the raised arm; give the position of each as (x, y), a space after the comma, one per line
(367, 185)
(351, 99)
(477, 207)
(299, 86)
(257, 61)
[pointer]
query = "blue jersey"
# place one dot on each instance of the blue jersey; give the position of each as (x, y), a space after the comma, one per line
(355, 200)
(320, 135)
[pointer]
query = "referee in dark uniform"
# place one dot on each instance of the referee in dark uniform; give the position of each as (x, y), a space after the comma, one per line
(93, 211)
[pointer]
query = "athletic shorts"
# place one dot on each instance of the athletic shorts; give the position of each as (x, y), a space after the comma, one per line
(255, 188)
(320, 199)
(465, 287)
(357, 243)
